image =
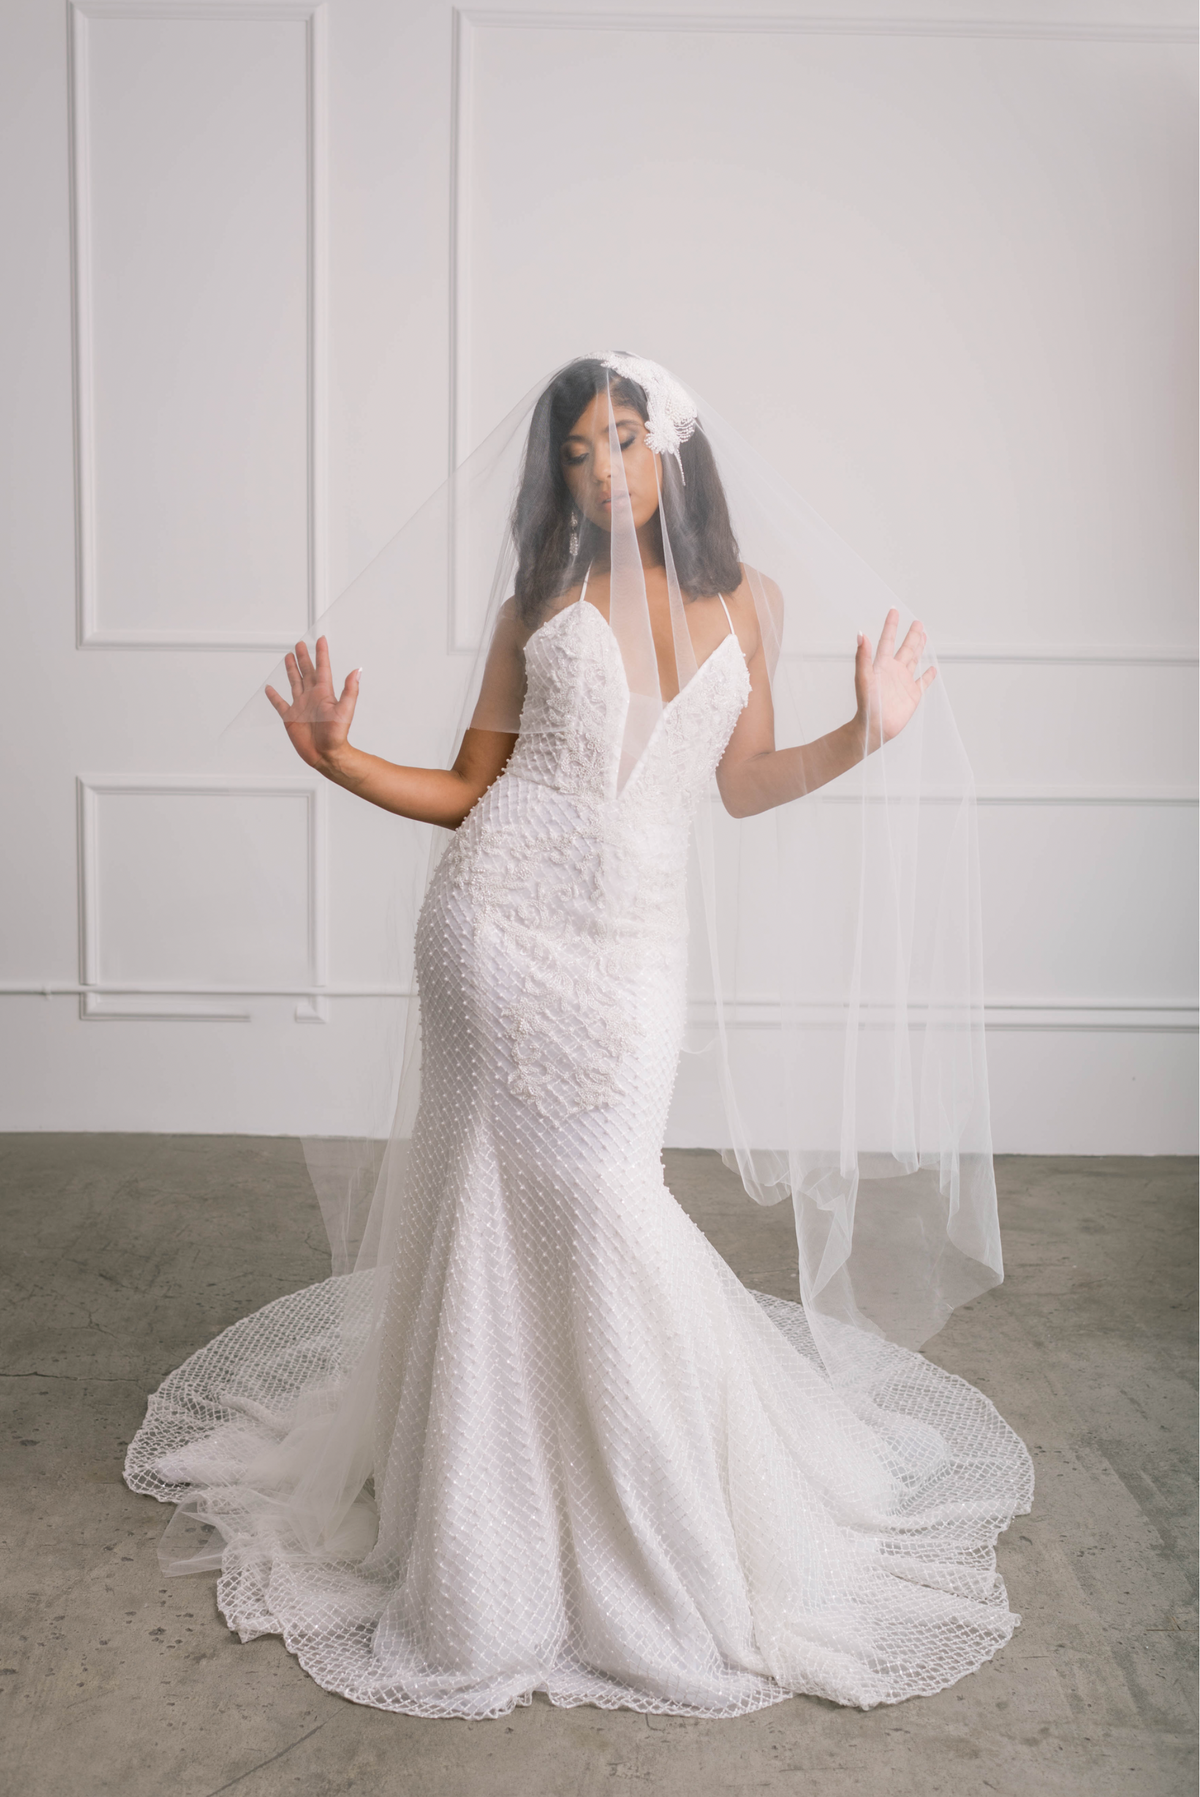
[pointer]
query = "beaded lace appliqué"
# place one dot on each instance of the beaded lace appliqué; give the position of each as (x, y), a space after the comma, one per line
(586, 906)
(672, 416)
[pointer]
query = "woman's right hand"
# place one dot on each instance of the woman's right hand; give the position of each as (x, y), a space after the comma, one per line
(317, 722)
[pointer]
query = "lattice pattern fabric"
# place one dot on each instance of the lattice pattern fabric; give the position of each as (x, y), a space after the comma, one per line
(590, 1462)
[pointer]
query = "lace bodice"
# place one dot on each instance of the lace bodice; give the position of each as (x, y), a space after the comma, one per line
(574, 715)
(584, 886)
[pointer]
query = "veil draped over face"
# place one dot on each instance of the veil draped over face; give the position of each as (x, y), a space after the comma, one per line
(835, 1049)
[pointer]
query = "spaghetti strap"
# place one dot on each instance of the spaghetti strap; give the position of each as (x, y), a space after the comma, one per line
(728, 619)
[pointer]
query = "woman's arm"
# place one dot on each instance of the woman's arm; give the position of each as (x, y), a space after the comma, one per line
(755, 776)
(318, 723)
(432, 795)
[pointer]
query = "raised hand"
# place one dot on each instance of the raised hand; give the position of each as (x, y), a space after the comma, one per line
(317, 721)
(887, 685)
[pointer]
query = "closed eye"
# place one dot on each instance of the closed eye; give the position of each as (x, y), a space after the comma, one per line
(626, 442)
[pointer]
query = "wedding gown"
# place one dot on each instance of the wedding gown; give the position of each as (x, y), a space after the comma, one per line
(602, 1468)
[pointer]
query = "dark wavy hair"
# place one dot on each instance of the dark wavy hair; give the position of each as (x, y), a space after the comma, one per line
(555, 543)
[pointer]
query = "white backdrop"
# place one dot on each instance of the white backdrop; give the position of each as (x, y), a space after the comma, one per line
(271, 265)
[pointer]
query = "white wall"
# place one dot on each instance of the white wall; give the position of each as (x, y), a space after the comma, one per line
(941, 273)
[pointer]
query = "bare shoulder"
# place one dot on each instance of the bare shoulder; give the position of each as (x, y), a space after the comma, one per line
(757, 605)
(758, 588)
(511, 630)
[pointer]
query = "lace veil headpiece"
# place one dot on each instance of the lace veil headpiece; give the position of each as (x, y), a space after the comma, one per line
(671, 413)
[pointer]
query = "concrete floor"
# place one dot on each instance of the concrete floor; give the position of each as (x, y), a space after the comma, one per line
(124, 1253)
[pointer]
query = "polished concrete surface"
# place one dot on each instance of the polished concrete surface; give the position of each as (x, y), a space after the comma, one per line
(124, 1253)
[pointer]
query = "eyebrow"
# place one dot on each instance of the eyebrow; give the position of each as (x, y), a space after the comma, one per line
(578, 436)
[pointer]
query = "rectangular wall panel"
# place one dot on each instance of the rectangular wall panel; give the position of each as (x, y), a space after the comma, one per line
(1117, 725)
(196, 894)
(939, 274)
(940, 279)
(198, 265)
(1089, 902)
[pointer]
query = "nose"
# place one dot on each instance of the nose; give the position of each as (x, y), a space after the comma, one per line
(602, 460)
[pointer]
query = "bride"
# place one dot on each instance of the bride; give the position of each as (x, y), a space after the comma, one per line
(541, 1438)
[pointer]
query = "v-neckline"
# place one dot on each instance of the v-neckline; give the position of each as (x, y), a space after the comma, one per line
(595, 610)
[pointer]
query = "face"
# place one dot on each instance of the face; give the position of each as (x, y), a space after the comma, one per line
(587, 463)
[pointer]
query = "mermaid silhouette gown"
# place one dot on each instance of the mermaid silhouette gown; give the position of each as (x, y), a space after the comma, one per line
(595, 1465)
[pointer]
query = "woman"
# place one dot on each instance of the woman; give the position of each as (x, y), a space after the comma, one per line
(557, 1446)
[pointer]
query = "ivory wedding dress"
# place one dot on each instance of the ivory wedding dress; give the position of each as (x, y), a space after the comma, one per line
(600, 1467)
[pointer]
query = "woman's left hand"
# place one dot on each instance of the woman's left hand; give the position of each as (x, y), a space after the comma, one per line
(886, 684)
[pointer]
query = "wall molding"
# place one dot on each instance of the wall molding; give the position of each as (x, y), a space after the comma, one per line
(1059, 655)
(167, 989)
(1089, 1019)
(1121, 31)
(202, 1000)
(1069, 656)
(461, 121)
(91, 632)
(1069, 1016)
(1173, 797)
(1176, 797)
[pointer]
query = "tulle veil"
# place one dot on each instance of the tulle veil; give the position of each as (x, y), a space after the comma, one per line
(835, 1049)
